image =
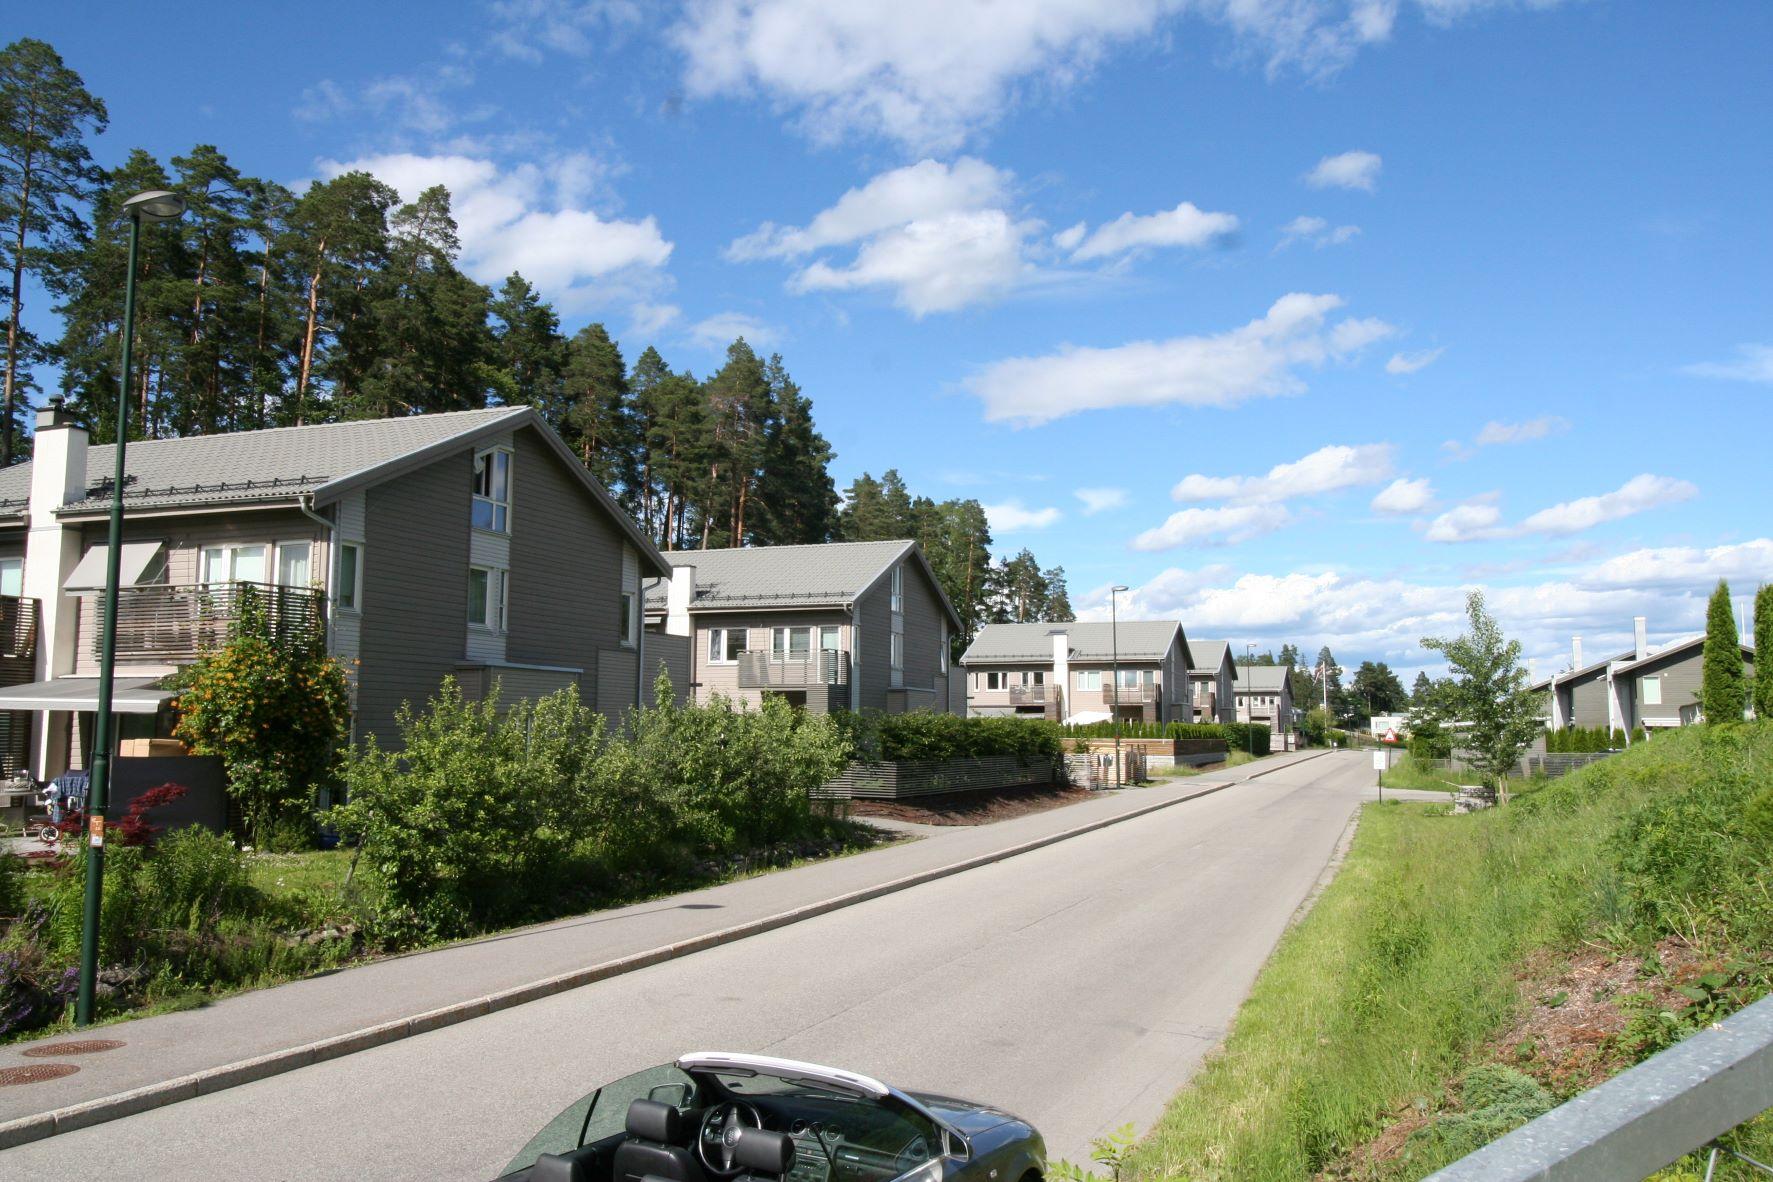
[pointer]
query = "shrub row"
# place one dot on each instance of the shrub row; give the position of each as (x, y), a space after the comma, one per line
(1575, 740)
(1238, 736)
(923, 734)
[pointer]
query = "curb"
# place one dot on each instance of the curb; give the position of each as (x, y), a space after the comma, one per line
(39, 1126)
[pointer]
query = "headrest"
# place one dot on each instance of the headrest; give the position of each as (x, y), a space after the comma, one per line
(560, 1167)
(768, 1153)
(652, 1121)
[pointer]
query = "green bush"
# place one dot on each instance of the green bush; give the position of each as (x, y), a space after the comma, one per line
(923, 734)
(1238, 736)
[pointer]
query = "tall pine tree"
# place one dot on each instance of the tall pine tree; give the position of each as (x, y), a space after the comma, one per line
(1723, 689)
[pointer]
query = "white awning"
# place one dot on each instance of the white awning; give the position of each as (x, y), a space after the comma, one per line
(89, 572)
(129, 695)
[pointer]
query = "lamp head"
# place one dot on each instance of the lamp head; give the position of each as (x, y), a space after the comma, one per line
(1115, 590)
(155, 205)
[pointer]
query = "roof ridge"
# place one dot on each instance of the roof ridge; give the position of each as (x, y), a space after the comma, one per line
(790, 546)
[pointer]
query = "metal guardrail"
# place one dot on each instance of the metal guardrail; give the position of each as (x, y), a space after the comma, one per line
(1639, 1121)
(1028, 695)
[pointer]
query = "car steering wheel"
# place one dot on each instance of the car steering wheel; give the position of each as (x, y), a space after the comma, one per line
(719, 1135)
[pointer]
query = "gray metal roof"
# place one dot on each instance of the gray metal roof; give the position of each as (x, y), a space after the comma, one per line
(1132, 640)
(243, 467)
(1262, 679)
(1675, 649)
(1206, 656)
(735, 578)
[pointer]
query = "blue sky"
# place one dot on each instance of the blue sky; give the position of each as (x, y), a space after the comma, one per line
(1298, 317)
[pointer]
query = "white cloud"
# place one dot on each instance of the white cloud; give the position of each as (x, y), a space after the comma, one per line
(1479, 519)
(721, 329)
(1068, 238)
(1258, 360)
(1637, 495)
(1403, 496)
(1316, 231)
(1100, 500)
(1754, 363)
(1013, 516)
(1402, 363)
(927, 189)
(418, 103)
(1185, 225)
(1543, 427)
(1220, 525)
(1350, 170)
(528, 28)
(935, 264)
(1325, 470)
(525, 219)
(1744, 563)
(648, 319)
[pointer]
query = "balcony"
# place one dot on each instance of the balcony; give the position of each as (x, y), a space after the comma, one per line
(763, 670)
(166, 624)
(1130, 695)
(1028, 695)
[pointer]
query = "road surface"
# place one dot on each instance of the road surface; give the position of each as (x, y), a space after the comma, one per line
(1078, 985)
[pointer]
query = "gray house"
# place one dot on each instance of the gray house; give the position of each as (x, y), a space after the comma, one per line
(840, 626)
(472, 545)
(1212, 676)
(1645, 686)
(1265, 694)
(1066, 672)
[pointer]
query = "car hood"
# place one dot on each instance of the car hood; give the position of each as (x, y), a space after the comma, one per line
(964, 1115)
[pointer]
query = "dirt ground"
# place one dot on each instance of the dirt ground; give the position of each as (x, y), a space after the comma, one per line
(971, 808)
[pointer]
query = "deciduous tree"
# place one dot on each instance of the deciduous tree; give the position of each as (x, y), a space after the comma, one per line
(1486, 695)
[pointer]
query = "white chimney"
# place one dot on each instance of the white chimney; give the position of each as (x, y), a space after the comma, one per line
(52, 548)
(58, 463)
(1641, 637)
(1575, 652)
(1061, 678)
(680, 593)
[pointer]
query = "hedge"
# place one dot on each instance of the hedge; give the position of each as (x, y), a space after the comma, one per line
(925, 734)
(1573, 740)
(1238, 736)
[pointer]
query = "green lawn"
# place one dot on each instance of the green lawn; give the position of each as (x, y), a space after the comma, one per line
(1407, 966)
(1407, 773)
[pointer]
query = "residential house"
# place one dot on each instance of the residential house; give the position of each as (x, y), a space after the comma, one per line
(472, 545)
(840, 626)
(1067, 672)
(1212, 676)
(1265, 694)
(1645, 686)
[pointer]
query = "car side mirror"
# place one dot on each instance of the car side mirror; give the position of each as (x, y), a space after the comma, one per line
(955, 1146)
(675, 1094)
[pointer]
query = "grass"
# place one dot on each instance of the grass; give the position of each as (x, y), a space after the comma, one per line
(1407, 965)
(1182, 771)
(1407, 773)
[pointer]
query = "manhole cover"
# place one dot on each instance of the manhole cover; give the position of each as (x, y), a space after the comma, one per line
(85, 1046)
(34, 1073)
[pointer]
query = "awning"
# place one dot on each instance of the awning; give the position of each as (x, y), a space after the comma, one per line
(129, 695)
(89, 572)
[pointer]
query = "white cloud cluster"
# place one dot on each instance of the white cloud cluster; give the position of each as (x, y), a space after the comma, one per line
(1754, 363)
(1220, 525)
(1328, 469)
(721, 329)
(1404, 496)
(1404, 363)
(1260, 359)
(1315, 231)
(1185, 225)
(1480, 519)
(529, 219)
(939, 264)
(915, 193)
(1015, 517)
(1100, 500)
(1499, 434)
(526, 29)
(1349, 170)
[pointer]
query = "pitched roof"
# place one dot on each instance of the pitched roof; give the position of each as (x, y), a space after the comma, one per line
(829, 574)
(1675, 648)
(1131, 640)
(322, 461)
(1261, 679)
(1206, 656)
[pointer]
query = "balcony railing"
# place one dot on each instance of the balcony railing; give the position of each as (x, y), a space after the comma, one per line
(1130, 695)
(168, 624)
(763, 670)
(1028, 695)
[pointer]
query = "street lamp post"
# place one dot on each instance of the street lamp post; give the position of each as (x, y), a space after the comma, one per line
(1120, 779)
(1250, 698)
(155, 205)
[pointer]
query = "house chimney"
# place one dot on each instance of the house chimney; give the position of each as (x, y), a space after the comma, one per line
(1641, 637)
(680, 593)
(1575, 652)
(1062, 670)
(58, 462)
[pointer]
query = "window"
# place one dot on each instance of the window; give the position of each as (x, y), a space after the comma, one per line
(994, 680)
(898, 657)
(350, 588)
(898, 588)
(1130, 678)
(725, 645)
(233, 564)
(828, 638)
(12, 576)
(486, 597)
(492, 491)
(629, 617)
(791, 644)
(292, 564)
(1089, 679)
(1652, 691)
(942, 649)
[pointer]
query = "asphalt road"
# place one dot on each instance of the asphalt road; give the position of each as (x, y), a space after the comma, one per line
(1078, 985)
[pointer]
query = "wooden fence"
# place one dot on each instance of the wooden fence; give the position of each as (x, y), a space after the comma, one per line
(932, 777)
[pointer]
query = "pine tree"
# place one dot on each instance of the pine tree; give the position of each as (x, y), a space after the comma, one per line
(595, 417)
(1723, 691)
(798, 502)
(46, 176)
(1764, 652)
(740, 411)
(532, 353)
(1421, 689)
(213, 365)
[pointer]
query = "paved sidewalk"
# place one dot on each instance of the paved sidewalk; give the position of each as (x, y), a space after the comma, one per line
(373, 999)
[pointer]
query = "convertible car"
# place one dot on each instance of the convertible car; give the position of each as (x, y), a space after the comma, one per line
(712, 1117)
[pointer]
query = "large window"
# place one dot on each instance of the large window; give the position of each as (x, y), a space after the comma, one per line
(293, 564)
(492, 491)
(791, 644)
(1089, 679)
(232, 564)
(725, 645)
(350, 589)
(898, 588)
(1652, 691)
(12, 576)
(486, 597)
(898, 657)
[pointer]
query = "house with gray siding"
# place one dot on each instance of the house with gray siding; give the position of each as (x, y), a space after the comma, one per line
(838, 626)
(1080, 672)
(1647, 686)
(1212, 679)
(471, 545)
(1265, 694)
